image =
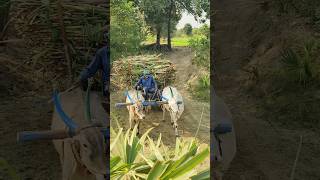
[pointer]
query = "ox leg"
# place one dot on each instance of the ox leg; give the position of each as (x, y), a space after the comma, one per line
(130, 118)
(69, 163)
(138, 130)
(176, 128)
(164, 112)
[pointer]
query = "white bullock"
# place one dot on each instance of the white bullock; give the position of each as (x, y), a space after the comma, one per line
(135, 100)
(174, 106)
(223, 140)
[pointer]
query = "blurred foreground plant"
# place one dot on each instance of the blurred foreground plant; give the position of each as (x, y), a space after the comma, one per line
(132, 157)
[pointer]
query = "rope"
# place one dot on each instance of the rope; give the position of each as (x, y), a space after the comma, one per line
(171, 92)
(66, 119)
(87, 103)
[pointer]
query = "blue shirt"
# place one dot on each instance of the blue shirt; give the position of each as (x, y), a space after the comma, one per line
(149, 82)
(100, 61)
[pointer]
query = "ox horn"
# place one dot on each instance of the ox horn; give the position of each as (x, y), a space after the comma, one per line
(65, 118)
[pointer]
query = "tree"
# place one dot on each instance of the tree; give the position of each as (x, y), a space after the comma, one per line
(194, 7)
(154, 14)
(127, 29)
(167, 13)
(187, 29)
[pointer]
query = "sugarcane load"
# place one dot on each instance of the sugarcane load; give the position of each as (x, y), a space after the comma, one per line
(80, 122)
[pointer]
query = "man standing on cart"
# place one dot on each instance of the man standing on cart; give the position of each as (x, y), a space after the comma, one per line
(147, 84)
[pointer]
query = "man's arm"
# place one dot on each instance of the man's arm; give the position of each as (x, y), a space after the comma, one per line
(155, 83)
(138, 83)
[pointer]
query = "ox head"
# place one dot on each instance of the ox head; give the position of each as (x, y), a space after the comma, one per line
(88, 143)
(139, 109)
(89, 148)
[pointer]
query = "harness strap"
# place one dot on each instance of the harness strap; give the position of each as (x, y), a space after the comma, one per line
(87, 102)
(164, 98)
(63, 116)
(127, 94)
(171, 92)
(137, 95)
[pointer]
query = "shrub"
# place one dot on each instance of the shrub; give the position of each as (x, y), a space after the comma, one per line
(200, 44)
(127, 30)
(299, 65)
(132, 157)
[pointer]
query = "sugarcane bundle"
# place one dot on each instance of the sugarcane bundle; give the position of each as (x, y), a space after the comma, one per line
(38, 22)
(126, 71)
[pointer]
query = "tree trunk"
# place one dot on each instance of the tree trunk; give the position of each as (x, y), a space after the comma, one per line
(169, 24)
(158, 37)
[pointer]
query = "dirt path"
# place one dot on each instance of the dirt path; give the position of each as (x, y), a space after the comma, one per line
(188, 123)
(263, 151)
(21, 110)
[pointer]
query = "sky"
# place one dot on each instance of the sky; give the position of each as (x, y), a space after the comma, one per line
(187, 18)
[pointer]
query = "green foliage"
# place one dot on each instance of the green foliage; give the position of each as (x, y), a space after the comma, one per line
(4, 14)
(299, 66)
(290, 94)
(187, 29)
(142, 158)
(204, 175)
(127, 29)
(156, 16)
(200, 89)
(200, 44)
(309, 9)
(5, 168)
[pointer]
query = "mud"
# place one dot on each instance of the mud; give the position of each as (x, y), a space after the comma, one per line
(264, 151)
(23, 110)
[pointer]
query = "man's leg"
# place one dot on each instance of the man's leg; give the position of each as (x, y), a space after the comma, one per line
(151, 91)
(145, 92)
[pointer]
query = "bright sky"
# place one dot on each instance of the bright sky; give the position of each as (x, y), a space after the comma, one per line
(188, 18)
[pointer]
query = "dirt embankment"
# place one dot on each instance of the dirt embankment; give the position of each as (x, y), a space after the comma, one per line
(23, 110)
(249, 33)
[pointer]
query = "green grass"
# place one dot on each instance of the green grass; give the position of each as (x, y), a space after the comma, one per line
(180, 41)
(175, 41)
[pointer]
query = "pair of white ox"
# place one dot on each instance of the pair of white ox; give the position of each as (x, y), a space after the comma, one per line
(171, 101)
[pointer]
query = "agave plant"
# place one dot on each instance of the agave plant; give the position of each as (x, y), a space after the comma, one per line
(132, 157)
(300, 64)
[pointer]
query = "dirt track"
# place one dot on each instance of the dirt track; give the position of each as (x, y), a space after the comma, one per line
(263, 151)
(188, 123)
(21, 110)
